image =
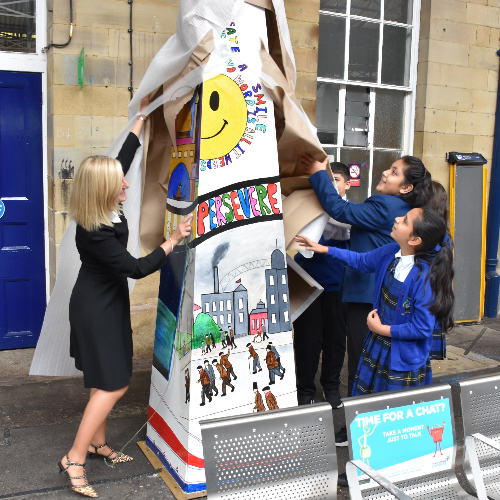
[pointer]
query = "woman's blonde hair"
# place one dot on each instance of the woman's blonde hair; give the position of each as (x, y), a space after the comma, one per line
(95, 192)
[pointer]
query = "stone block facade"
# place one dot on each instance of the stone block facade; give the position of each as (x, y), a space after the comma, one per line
(457, 81)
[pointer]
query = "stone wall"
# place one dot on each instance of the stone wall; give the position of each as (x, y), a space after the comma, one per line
(457, 81)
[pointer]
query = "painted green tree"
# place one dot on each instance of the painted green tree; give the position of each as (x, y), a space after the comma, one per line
(204, 325)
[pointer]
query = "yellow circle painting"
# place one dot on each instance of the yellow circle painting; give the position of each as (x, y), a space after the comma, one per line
(223, 117)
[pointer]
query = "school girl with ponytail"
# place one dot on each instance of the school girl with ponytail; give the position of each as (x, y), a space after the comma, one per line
(414, 297)
(406, 184)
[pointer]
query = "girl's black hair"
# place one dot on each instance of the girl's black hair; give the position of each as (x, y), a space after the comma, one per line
(419, 177)
(431, 228)
(439, 203)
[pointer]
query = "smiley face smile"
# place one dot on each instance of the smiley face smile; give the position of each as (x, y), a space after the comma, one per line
(215, 135)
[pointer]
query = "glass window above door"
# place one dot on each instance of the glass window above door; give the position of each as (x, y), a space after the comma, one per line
(18, 25)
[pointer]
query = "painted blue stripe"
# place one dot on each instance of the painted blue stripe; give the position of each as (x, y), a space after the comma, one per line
(187, 488)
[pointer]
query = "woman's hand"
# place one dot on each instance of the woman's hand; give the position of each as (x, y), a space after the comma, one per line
(310, 245)
(137, 128)
(144, 103)
(183, 230)
(312, 165)
(376, 326)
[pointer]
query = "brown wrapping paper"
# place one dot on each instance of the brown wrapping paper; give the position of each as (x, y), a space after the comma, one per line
(294, 138)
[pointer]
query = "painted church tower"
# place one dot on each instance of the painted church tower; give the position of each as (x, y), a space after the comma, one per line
(278, 304)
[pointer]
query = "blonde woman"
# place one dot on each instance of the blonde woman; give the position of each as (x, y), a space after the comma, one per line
(99, 309)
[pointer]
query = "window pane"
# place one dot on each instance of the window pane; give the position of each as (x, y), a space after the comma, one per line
(357, 102)
(18, 26)
(399, 11)
(333, 5)
(327, 112)
(396, 56)
(359, 157)
(389, 113)
(331, 46)
(382, 160)
(366, 8)
(363, 51)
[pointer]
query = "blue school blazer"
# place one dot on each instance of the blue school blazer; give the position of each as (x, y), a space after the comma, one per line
(413, 325)
(371, 222)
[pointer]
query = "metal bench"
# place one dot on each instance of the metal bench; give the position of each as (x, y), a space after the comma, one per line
(402, 444)
(272, 455)
(480, 398)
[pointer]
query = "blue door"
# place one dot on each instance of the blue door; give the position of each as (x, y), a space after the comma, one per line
(22, 251)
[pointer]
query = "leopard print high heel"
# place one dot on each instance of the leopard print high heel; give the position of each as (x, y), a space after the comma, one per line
(84, 489)
(119, 459)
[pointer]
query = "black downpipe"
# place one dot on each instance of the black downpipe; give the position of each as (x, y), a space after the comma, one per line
(131, 62)
(60, 45)
(493, 224)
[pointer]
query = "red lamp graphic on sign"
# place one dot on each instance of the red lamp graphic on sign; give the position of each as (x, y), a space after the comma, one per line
(437, 436)
(355, 174)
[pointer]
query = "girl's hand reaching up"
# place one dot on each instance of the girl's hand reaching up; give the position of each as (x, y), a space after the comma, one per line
(376, 326)
(310, 245)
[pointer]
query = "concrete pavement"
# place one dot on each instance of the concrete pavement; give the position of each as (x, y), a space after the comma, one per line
(39, 417)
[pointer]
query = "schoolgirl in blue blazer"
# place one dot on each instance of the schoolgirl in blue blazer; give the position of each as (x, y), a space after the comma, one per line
(413, 293)
(404, 185)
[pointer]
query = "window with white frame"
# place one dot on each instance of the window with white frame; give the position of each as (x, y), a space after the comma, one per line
(214, 307)
(18, 26)
(367, 61)
(229, 319)
(240, 303)
(240, 315)
(214, 318)
(271, 280)
(283, 279)
(221, 319)
(228, 304)
(285, 315)
(207, 307)
(273, 318)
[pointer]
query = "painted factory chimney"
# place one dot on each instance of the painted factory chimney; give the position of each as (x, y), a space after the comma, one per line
(216, 280)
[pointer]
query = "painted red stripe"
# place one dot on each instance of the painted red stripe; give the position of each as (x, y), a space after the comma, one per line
(167, 434)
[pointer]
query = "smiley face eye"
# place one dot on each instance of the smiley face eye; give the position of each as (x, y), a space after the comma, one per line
(214, 100)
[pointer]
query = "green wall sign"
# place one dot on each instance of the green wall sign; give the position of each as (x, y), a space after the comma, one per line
(81, 67)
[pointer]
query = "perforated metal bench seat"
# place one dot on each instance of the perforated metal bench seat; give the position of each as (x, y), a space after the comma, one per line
(272, 455)
(400, 414)
(480, 399)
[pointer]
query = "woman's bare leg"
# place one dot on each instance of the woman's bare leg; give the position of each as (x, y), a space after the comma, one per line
(93, 421)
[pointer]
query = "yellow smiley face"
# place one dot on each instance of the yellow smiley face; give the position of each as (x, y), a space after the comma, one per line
(223, 117)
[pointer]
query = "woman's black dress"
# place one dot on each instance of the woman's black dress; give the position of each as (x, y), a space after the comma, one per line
(99, 308)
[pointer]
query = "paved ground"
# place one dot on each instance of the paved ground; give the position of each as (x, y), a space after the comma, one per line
(39, 417)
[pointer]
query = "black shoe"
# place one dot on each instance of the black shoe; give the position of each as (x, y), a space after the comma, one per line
(284, 371)
(232, 389)
(333, 397)
(202, 404)
(254, 372)
(222, 395)
(341, 438)
(271, 383)
(260, 369)
(305, 401)
(342, 480)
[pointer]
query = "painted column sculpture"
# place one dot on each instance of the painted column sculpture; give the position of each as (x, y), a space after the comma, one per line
(224, 320)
